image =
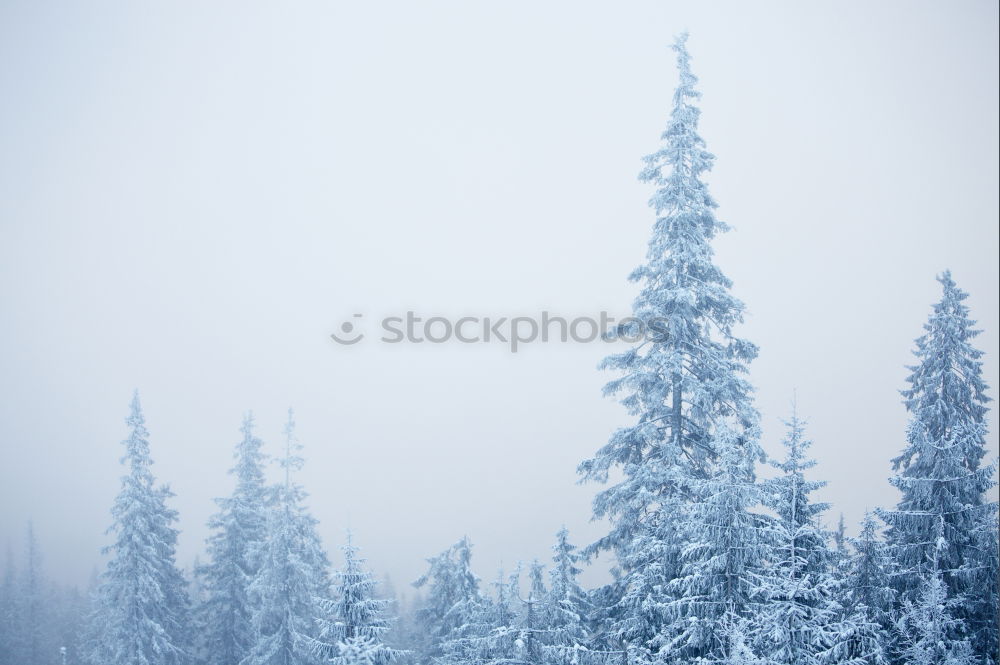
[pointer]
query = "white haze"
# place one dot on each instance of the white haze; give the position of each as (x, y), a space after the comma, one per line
(194, 195)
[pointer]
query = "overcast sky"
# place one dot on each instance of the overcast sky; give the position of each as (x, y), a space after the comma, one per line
(193, 196)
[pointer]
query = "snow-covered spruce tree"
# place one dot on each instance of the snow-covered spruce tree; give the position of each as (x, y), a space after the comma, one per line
(534, 613)
(498, 633)
(538, 594)
(869, 574)
(684, 383)
(841, 551)
(839, 536)
(141, 612)
(240, 528)
(941, 474)
(35, 605)
(727, 543)
(864, 631)
(353, 621)
(566, 611)
(797, 590)
(930, 633)
(453, 607)
(292, 573)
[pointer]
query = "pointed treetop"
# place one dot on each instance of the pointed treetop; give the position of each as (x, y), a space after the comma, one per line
(248, 455)
(136, 445)
(291, 461)
(687, 79)
(246, 427)
(349, 549)
(947, 393)
(795, 443)
(840, 536)
(951, 300)
(135, 417)
(562, 536)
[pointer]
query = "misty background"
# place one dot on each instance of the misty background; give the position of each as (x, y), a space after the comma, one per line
(193, 196)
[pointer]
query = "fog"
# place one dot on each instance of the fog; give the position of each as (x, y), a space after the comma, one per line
(194, 196)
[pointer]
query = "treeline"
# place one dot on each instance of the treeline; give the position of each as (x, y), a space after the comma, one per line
(712, 564)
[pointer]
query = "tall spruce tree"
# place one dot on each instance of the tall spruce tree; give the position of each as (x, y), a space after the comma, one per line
(354, 620)
(942, 478)
(685, 383)
(141, 612)
(798, 587)
(292, 573)
(240, 529)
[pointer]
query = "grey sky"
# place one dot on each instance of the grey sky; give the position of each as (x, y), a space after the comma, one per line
(194, 195)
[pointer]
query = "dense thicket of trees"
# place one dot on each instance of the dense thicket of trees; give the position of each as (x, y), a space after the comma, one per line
(713, 564)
